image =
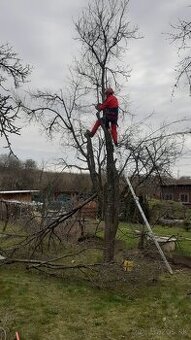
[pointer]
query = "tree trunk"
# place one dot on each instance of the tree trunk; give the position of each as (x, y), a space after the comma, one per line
(111, 197)
(111, 202)
(96, 184)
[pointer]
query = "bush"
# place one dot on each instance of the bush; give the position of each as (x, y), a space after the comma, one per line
(161, 209)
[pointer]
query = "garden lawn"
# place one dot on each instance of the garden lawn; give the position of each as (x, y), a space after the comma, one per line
(41, 307)
(127, 233)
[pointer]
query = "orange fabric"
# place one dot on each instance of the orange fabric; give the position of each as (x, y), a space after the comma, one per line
(17, 336)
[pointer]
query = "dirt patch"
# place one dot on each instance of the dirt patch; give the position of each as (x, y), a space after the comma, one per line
(182, 260)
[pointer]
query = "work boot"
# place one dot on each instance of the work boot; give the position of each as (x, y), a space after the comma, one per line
(88, 133)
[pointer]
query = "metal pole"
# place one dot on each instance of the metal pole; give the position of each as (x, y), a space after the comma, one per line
(149, 227)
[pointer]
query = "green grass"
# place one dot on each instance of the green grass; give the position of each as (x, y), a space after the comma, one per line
(39, 307)
(126, 232)
(183, 237)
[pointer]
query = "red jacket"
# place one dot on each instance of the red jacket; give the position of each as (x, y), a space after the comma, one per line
(111, 102)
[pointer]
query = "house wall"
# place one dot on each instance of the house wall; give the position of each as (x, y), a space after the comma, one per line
(177, 193)
(21, 197)
(89, 210)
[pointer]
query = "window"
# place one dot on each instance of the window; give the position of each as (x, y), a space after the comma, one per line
(184, 197)
(168, 196)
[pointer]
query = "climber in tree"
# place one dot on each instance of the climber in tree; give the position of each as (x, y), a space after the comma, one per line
(110, 115)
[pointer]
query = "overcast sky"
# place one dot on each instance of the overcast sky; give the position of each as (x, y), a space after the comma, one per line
(42, 32)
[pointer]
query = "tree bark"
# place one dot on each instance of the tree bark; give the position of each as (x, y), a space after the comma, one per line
(96, 184)
(111, 194)
(111, 202)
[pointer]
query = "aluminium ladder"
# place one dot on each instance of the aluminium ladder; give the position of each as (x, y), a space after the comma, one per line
(151, 234)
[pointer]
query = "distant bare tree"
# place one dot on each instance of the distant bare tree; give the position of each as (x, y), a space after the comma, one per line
(16, 174)
(11, 69)
(30, 164)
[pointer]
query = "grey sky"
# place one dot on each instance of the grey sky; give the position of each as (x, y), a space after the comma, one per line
(42, 31)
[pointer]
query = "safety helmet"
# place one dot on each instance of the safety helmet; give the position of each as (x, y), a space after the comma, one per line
(108, 91)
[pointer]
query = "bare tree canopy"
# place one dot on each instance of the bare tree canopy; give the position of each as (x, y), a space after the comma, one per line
(104, 32)
(181, 36)
(11, 69)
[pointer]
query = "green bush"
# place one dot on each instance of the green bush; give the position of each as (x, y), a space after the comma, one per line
(168, 210)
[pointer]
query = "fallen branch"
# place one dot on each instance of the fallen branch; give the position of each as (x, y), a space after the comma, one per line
(51, 265)
(49, 228)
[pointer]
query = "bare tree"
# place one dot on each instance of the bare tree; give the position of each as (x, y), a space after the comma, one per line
(181, 36)
(103, 31)
(11, 69)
